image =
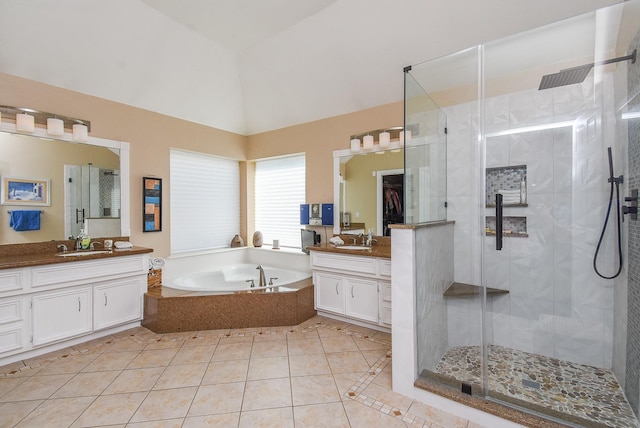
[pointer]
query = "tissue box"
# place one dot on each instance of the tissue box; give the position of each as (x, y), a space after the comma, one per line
(154, 278)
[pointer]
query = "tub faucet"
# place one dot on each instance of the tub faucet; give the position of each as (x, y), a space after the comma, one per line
(263, 280)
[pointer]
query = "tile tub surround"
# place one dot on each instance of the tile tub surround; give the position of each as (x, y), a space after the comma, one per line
(168, 310)
(218, 378)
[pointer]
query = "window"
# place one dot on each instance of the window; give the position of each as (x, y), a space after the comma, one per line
(279, 191)
(205, 201)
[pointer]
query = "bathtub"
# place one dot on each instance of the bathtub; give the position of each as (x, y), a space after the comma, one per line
(235, 278)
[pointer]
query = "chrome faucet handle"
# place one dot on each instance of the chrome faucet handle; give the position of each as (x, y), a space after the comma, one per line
(63, 247)
(251, 281)
(355, 241)
(271, 279)
(92, 245)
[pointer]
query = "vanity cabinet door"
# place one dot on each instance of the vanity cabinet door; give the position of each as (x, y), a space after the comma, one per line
(118, 302)
(329, 292)
(61, 314)
(361, 298)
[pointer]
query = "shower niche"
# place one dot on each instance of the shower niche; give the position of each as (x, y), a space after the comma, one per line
(511, 181)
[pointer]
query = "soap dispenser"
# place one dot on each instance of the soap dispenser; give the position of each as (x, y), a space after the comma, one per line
(83, 239)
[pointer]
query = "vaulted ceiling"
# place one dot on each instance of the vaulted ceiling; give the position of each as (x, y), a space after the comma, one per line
(249, 66)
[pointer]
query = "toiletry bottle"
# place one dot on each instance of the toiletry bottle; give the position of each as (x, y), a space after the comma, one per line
(84, 239)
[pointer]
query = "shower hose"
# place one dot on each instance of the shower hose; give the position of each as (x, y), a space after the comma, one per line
(615, 182)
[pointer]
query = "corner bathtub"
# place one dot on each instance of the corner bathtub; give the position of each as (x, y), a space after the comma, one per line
(237, 278)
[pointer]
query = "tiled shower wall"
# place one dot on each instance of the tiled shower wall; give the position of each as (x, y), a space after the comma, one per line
(557, 306)
(632, 378)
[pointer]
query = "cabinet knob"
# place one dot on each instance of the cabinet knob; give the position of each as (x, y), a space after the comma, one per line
(337, 288)
(79, 305)
(105, 299)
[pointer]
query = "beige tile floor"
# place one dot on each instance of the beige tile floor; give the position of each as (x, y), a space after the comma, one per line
(322, 373)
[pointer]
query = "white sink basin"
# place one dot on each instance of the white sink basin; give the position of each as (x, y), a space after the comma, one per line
(353, 247)
(82, 253)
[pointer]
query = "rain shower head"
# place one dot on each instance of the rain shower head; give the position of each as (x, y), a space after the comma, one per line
(572, 75)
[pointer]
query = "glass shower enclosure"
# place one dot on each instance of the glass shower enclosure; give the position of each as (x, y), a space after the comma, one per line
(530, 121)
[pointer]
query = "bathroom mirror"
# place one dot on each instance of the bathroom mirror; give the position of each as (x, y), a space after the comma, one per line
(88, 181)
(360, 183)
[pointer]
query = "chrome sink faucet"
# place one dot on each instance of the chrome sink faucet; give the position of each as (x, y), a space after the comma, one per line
(263, 280)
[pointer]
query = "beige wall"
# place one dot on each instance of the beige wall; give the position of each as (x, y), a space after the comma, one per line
(152, 135)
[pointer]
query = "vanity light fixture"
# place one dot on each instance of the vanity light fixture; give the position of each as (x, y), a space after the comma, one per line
(368, 142)
(355, 145)
(80, 133)
(55, 126)
(384, 139)
(25, 122)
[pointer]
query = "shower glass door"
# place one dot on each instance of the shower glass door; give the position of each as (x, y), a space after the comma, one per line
(530, 119)
(551, 344)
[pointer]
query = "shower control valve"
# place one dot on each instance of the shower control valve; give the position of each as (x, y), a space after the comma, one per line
(632, 208)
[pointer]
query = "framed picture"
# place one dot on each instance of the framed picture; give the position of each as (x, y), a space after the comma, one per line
(151, 204)
(26, 191)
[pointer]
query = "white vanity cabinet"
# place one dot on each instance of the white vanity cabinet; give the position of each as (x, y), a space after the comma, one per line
(59, 315)
(52, 306)
(361, 298)
(117, 302)
(349, 287)
(329, 291)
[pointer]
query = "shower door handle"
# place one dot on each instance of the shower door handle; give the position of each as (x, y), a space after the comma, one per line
(498, 221)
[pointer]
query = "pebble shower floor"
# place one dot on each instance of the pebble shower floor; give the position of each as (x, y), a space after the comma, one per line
(588, 393)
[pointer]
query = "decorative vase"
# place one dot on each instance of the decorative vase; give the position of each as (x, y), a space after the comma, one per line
(257, 239)
(237, 242)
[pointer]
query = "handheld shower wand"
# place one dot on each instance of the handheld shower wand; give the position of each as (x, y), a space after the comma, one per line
(615, 182)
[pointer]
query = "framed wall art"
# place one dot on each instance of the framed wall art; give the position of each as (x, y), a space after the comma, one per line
(25, 191)
(151, 204)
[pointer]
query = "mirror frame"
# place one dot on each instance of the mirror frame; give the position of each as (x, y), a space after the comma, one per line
(122, 146)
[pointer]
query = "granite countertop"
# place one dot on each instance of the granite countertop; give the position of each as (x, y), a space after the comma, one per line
(379, 249)
(46, 253)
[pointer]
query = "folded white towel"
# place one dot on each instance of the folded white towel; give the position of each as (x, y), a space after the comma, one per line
(509, 192)
(336, 240)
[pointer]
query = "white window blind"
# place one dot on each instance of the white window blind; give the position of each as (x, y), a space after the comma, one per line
(279, 191)
(205, 201)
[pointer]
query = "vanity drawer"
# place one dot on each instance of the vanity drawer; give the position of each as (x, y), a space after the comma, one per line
(10, 310)
(384, 267)
(343, 263)
(11, 280)
(11, 338)
(77, 272)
